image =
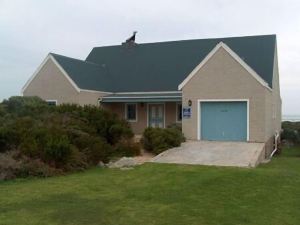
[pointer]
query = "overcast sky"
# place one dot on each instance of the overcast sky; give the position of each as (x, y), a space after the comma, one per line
(30, 29)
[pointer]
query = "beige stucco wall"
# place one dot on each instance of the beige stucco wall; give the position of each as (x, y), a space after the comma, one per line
(276, 95)
(51, 84)
(89, 97)
(273, 109)
(141, 123)
(222, 77)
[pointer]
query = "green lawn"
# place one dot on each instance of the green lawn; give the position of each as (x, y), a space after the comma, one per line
(160, 194)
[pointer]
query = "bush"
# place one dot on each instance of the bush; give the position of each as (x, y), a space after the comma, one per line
(99, 151)
(78, 160)
(29, 147)
(157, 140)
(68, 137)
(57, 150)
(6, 138)
(291, 132)
(128, 149)
(94, 148)
(29, 106)
(9, 166)
(290, 135)
(36, 168)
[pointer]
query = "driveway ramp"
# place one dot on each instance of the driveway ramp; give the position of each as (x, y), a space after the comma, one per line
(238, 154)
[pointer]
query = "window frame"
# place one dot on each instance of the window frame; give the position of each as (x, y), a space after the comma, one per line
(177, 111)
(50, 101)
(136, 112)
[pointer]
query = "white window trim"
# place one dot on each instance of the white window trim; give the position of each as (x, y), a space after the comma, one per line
(233, 55)
(220, 100)
(156, 103)
(52, 100)
(178, 103)
(136, 112)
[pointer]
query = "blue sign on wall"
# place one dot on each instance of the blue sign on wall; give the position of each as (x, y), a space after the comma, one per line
(186, 112)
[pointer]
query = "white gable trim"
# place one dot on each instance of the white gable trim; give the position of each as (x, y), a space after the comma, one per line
(34, 74)
(50, 57)
(65, 73)
(234, 55)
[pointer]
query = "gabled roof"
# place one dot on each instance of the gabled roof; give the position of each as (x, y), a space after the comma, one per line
(162, 66)
(86, 75)
(234, 56)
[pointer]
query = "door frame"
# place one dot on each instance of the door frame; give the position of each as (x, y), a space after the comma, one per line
(157, 103)
(219, 100)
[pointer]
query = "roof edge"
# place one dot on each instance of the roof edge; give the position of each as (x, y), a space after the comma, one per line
(174, 41)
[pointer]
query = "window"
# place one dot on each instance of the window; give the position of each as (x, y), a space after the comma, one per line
(178, 112)
(52, 102)
(131, 112)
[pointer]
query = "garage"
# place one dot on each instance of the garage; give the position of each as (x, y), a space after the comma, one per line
(223, 120)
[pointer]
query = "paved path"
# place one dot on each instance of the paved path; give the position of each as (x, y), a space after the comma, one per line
(239, 154)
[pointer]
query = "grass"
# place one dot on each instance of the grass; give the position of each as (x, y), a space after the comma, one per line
(160, 194)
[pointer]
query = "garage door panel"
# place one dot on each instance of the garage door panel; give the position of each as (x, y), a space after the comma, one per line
(224, 121)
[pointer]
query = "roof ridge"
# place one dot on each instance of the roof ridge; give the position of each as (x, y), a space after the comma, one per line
(186, 40)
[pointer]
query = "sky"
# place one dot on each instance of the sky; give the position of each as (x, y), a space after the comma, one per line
(30, 29)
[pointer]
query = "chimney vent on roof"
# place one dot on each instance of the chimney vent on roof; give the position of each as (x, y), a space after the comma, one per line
(132, 38)
(130, 41)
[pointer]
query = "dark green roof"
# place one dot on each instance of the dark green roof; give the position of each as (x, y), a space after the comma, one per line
(162, 66)
(86, 75)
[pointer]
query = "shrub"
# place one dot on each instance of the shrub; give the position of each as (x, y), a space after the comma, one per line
(290, 135)
(107, 125)
(57, 150)
(99, 151)
(37, 168)
(157, 140)
(128, 149)
(291, 132)
(118, 131)
(64, 138)
(6, 138)
(29, 147)
(9, 166)
(29, 106)
(78, 160)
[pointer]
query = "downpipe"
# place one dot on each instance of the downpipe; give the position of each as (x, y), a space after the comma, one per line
(276, 144)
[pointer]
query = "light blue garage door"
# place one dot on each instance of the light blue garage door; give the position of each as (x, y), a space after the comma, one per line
(223, 121)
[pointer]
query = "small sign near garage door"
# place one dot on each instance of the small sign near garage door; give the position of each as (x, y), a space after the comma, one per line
(186, 112)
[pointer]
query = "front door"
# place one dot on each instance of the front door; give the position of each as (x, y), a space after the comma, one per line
(156, 115)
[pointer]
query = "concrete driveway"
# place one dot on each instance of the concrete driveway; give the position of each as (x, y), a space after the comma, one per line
(238, 154)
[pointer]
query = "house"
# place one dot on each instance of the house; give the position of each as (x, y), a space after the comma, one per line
(222, 89)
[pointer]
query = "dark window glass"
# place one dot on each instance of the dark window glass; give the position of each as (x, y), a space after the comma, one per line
(53, 103)
(179, 112)
(131, 112)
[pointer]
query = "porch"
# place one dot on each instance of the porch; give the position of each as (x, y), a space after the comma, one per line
(145, 110)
